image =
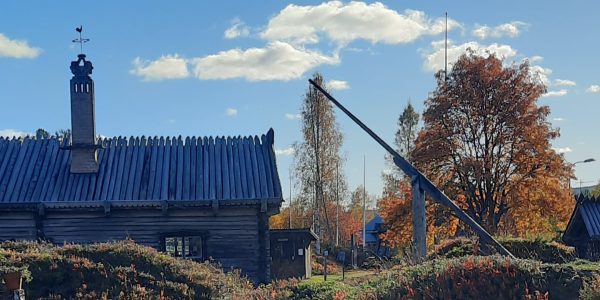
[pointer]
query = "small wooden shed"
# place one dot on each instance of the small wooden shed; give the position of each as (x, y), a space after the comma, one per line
(583, 229)
(290, 252)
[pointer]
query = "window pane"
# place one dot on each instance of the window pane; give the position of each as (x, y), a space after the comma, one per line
(179, 246)
(186, 247)
(170, 246)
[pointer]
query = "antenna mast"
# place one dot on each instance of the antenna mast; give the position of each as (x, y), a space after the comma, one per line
(446, 51)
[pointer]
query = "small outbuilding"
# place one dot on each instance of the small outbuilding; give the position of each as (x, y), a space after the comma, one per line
(583, 230)
(290, 253)
(373, 236)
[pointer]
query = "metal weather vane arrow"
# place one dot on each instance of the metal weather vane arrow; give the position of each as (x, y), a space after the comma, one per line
(80, 40)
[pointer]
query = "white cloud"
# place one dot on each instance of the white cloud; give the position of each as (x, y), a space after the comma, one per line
(563, 150)
(564, 82)
(338, 85)
(541, 74)
(12, 133)
(559, 93)
(17, 48)
(558, 119)
(512, 30)
(536, 59)
(434, 60)
(231, 112)
(237, 29)
(293, 116)
(593, 89)
(285, 152)
(344, 23)
(277, 61)
(166, 67)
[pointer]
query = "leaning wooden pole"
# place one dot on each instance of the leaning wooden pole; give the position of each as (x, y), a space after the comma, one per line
(421, 181)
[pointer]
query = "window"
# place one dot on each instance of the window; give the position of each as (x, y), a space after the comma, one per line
(186, 246)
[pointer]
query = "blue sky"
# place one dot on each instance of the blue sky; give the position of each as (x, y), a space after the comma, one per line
(239, 68)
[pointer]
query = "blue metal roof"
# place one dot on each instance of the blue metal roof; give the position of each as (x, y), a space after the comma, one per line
(141, 169)
(585, 216)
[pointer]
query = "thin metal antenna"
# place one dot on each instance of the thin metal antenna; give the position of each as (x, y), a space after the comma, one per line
(364, 234)
(337, 204)
(290, 198)
(80, 40)
(446, 51)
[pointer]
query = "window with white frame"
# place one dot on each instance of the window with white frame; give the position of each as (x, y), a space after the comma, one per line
(184, 245)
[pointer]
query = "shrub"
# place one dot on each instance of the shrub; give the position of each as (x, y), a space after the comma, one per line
(537, 249)
(117, 270)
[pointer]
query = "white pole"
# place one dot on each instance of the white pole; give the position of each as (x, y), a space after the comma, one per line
(364, 234)
(337, 205)
(290, 197)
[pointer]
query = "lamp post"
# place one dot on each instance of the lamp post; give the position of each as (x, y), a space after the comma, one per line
(580, 162)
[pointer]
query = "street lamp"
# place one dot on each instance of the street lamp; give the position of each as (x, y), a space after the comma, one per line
(580, 162)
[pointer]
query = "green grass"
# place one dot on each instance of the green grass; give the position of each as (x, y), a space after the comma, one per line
(338, 277)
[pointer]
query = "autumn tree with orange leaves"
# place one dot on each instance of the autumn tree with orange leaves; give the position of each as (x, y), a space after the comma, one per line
(486, 140)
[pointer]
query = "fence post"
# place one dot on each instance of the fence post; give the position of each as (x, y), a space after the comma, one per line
(418, 220)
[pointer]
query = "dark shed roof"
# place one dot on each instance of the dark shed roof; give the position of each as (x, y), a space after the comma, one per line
(140, 169)
(585, 221)
(299, 232)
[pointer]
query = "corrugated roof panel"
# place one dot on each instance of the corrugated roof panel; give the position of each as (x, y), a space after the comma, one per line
(141, 169)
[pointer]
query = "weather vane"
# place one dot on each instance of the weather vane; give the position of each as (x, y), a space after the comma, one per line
(80, 40)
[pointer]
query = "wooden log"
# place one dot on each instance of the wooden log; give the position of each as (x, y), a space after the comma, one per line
(419, 225)
(45, 172)
(185, 193)
(237, 163)
(115, 188)
(150, 186)
(193, 167)
(139, 168)
(127, 168)
(179, 170)
(17, 168)
(133, 169)
(164, 184)
(62, 171)
(218, 162)
(173, 169)
(211, 172)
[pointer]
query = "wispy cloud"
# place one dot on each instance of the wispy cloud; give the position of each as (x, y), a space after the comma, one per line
(512, 30)
(563, 150)
(558, 119)
(564, 82)
(166, 67)
(17, 48)
(541, 74)
(344, 23)
(293, 116)
(237, 29)
(434, 59)
(594, 88)
(536, 59)
(277, 61)
(12, 133)
(338, 85)
(559, 93)
(285, 152)
(231, 112)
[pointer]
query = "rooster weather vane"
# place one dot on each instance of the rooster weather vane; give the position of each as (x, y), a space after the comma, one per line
(80, 40)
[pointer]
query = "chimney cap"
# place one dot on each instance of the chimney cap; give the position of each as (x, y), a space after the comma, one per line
(81, 66)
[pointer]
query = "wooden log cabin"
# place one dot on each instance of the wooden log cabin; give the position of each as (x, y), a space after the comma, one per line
(191, 197)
